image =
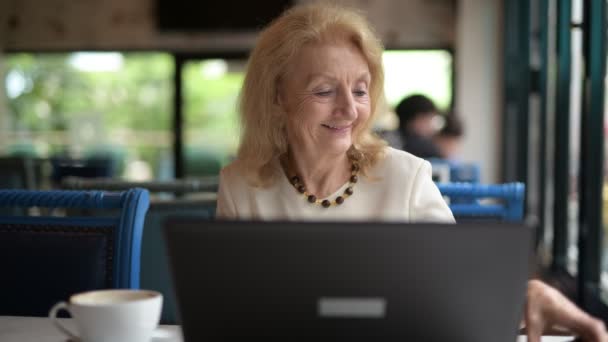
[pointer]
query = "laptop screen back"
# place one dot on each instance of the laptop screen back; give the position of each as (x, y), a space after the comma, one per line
(349, 281)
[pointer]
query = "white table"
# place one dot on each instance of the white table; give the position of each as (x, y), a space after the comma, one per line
(40, 329)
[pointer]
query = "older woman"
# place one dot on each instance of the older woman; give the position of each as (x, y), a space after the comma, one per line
(313, 87)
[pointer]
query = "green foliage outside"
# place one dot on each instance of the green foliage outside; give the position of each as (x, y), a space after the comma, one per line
(126, 112)
(138, 96)
(211, 89)
(64, 110)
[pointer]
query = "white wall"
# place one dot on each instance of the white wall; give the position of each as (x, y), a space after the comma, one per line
(479, 37)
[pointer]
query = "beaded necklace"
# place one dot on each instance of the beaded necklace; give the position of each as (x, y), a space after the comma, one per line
(311, 198)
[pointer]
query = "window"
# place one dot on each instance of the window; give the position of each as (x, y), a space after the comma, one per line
(211, 90)
(428, 72)
(85, 104)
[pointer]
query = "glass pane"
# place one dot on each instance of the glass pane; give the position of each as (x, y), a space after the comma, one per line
(86, 105)
(211, 89)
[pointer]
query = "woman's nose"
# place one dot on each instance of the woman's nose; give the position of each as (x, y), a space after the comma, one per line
(346, 103)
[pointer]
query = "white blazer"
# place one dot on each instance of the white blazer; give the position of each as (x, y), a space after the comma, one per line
(399, 188)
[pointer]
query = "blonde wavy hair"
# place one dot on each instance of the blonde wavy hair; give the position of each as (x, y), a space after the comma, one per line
(263, 123)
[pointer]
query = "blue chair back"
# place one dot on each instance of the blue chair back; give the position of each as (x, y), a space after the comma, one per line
(199, 202)
(464, 172)
(47, 258)
(441, 170)
(458, 171)
(466, 200)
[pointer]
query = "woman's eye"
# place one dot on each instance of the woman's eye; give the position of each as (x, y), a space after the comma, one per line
(360, 93)
(323, 93)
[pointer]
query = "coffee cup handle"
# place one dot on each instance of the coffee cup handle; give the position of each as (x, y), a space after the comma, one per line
(53, 316)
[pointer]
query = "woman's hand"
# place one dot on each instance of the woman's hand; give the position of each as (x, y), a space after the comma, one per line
(547, 308)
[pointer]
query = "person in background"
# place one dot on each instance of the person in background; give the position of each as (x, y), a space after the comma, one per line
(449, 137)
(416, 124)
(313, 86)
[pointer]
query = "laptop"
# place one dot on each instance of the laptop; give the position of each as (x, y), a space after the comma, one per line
(345, 281)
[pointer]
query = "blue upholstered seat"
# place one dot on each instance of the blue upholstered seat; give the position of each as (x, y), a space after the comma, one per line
(47, 258)
(470, 200)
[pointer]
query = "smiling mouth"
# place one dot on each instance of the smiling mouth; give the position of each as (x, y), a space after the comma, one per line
(337, 127)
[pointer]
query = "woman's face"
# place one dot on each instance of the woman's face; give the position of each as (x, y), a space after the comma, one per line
(325, 95)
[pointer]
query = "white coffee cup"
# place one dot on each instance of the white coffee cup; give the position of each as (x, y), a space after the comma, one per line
(111, 315)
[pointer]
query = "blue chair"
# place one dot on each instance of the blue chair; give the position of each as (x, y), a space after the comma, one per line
(47, 258)
(442, 170)
(466, 200)
(199, 202)
(464, 172)
(458, 171)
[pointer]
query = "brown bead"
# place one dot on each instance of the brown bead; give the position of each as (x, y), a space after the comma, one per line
(312, 198)
(354, 179)
(295, 180)
(339, 200)
(349, 190)
(354, 167)
(326, 203)
(301, 189)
